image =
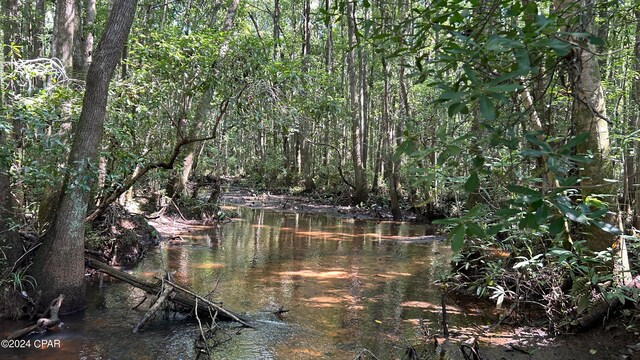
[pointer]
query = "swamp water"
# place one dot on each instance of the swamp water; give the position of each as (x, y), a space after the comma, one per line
(349, 285)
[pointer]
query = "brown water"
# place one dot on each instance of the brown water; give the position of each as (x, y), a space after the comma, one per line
(349, 285)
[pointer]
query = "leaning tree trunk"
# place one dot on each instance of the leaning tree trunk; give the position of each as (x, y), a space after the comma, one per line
(59, 264)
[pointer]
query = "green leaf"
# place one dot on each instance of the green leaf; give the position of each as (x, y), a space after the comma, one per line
(474, 229)
(570, 213)
(487, 109)
(533, 138)
(521, 190)
(594, 40)
(455, 108)
(453, 150)
(541, 214)
(575, 141)
(504, 88)
(452, 221)
(457, 237)
(472, 183)
(528, 221)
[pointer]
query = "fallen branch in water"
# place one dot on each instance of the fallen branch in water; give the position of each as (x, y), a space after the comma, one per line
(180, 296)
(42, 323)
(153, 309)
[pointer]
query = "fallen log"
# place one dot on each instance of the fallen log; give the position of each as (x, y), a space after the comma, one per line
(180, 295)
(42, 323)
(153, 309)
(209, 303)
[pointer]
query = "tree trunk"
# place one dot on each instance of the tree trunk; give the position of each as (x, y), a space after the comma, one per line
(59, 263)
(361, 191)
(86, 43)
(589, 114)
(9, 238)
(63, 33)
(634, 174)
(38, 29)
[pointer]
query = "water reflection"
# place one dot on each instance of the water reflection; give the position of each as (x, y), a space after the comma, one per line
(348, 285)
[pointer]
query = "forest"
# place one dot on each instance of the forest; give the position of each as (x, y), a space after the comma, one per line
(511, 127)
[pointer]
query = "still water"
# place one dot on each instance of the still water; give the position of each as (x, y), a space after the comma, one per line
(348, 285)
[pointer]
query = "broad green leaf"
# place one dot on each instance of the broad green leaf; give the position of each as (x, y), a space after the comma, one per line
(474, 229)
(575, 141)
(532, 138)
(457, 237)
(528, 221)
(455, 108)
(594, 40)
(472, 183)
(487, 109)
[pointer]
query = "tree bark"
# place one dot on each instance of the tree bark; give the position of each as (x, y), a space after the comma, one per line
(63, 33)
(634, 174)
(361, 191)
(9, 238)
(59, 263)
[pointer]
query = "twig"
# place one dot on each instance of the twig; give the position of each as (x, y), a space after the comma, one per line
(445, 327)
(359, 355)
(204, 337)
(344, 179)
(474, 351)
(177, 208)
(144, 298)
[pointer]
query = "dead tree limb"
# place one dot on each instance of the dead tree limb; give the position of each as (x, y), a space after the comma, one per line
(344, 179)
(42, 323)
(154, 308)
(181, 296)
(218, 308)
(167, 165)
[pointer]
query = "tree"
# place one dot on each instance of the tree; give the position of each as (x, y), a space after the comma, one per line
(178, 185)
(64, 31)
(357, 136)
(59, 263)
(9, 239)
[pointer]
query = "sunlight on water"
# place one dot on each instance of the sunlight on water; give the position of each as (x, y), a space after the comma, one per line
(347, 284)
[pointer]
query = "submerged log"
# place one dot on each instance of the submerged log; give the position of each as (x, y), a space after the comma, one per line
(180, 295)
(42, 323)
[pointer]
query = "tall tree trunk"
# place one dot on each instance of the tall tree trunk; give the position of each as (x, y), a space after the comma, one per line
(634, 174)
(306, 154)
(38, 29)
(276, 29)
(361, 191)
(87, 34)
(63, 33)
(77, 56)
(589, 112)
(59, 263)
(9, 239)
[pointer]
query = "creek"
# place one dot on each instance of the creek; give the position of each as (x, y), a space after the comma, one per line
(348, 285)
